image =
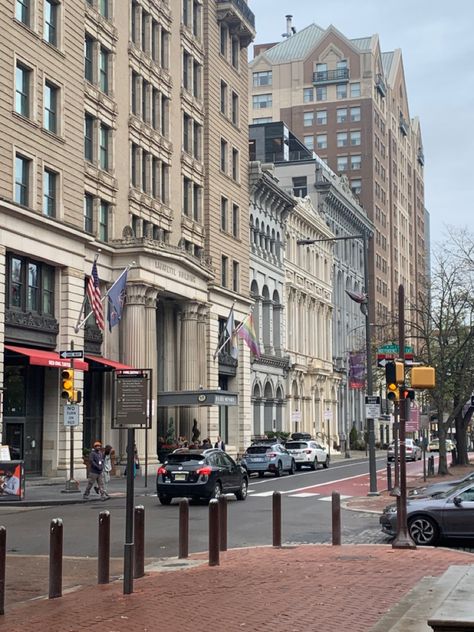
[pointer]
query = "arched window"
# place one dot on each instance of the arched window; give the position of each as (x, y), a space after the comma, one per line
(277, 334)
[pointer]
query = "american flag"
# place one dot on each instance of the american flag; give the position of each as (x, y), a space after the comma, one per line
(93, 294)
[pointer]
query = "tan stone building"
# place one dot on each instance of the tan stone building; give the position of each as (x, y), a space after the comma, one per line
(125, 131)
(347, 100)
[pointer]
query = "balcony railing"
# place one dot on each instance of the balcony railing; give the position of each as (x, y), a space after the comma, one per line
(380, 85)
(404, 127)
(340, 75)
(237, 14)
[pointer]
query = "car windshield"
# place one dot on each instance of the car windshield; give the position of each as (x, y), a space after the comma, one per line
(258, 449)
(184, 457)
(452, 491)
(295, 445)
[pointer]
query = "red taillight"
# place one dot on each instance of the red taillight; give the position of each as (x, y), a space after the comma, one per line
(204, 471)
(307, 451)
(271, 455)
(409, 449)
(162, 470)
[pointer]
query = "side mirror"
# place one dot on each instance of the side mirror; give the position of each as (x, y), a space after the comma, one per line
(457, 500)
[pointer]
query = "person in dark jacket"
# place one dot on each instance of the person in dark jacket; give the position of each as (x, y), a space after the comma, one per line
(219, 444)
(96, 469)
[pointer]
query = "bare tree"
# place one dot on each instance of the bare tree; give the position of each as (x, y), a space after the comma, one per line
(443, 322)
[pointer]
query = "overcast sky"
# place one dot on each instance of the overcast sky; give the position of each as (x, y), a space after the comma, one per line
(437, 42)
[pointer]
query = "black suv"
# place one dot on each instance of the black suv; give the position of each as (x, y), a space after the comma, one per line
(200, 474)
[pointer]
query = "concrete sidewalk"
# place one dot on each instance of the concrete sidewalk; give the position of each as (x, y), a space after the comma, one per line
(293, 589)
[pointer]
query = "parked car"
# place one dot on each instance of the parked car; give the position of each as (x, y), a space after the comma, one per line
(200, 474)
(433, 445)
(439, 488)
(413, 451)
(450, 514)
(308, 453)
(262, 457)
(301, 436)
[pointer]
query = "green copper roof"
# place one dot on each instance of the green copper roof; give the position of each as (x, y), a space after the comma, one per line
(297, 46)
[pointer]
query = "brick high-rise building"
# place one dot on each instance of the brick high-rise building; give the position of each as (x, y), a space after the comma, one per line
(347, 101)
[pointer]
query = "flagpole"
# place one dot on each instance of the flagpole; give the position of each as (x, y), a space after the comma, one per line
(219, 349)
(105, 295)
(77, 326)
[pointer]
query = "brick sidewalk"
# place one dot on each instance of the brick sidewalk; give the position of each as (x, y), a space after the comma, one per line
(301, 589)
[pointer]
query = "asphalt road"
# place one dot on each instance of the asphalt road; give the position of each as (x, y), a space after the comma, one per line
(306, 516)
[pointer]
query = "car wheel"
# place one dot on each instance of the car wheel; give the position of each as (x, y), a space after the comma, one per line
(164, 500)
(298, 466)
(217, 491)
(326, 463)
(279, 470)
(314, 464)
(423, 530)
(242, 493)
(292, 469)
(261, 474)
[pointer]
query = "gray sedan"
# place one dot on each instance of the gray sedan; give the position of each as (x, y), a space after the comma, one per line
(449, 515)
(443, 486)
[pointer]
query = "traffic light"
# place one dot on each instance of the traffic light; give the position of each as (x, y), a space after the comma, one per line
(67, 384)
(392, 392)
(394, 375)
(407, 393)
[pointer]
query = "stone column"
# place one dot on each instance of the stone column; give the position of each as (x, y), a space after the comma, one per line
(202, 318)
(189, 363)
(151, 362)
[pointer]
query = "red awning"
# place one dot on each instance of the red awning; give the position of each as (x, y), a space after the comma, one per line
(41, 357)
(112, 364)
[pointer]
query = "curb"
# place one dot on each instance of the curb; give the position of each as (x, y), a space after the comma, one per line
(55, 502)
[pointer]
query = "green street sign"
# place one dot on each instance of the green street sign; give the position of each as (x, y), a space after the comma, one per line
(393, 348)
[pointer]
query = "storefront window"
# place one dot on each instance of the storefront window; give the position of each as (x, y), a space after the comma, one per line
(14, 396)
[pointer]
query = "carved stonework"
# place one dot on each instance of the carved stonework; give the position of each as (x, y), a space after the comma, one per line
(27, 320)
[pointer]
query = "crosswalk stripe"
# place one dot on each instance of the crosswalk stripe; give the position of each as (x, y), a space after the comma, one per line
(302, 495)
(262, 494)
(329, 498)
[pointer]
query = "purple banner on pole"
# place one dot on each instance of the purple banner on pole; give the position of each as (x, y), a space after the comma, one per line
(357, 370)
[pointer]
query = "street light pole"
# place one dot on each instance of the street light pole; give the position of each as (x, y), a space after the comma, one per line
(368, 347)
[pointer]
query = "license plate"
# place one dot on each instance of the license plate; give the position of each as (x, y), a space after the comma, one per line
(180, 476)
(257, 459)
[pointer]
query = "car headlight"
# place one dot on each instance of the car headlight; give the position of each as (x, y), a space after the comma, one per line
(391, 509)
(417, 492)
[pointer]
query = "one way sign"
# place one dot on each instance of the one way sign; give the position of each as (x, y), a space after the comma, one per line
(71, 354)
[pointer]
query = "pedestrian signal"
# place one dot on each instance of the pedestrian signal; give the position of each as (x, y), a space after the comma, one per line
(67, 384)
(407, 393)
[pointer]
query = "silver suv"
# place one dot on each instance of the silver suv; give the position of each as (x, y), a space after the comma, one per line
(413, 451)
(308, 453)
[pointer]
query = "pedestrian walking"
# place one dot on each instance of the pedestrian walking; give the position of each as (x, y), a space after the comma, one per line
(136, 460)
(220, 444)
(107, 465)
(96, 469)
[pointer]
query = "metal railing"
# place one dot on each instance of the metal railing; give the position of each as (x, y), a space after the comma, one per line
(244, 9)
(331, 76)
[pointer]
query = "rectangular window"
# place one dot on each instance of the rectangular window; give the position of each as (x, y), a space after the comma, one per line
(88, 213)
(89, 58)
(23, 11)
(235, 52)
(308, 95)
(145, 101)
(355, 162)
(22, 89)
(342, 139)
(187, 196)
(89, 124)
(196, 20)
(50, 185)
(197, 140)
(224, 36)
(197, 73)
(155, 108)
(145, 38)
(322, 117)
(155, 177)
(197, 202)
(235, 164)
(186, 70)
(155, 38)
(341, 91)
(322, 141)
(300, 186)
(235, 220)
(263, 78)
(164, 49)
(165, 104)
(104, 70)
(262, 120)
(223, 97)
(224, 270)
(104, 141)
(22, 180)
(309, 142)
(342, 163)
(50, 107)
(186, 13)
(32, 296)
(235, 108)
(104, 8)
(356, 186)
(355, 89)
(47, 278)
(260, 101)
(187, 122)
(223, 155)
(321, 93)
(104, 221)
(235, 276)
(133, 25)
(145, 179)
(164, 181)
(134, 165)
(355, 114)
(308, 119)
(135, 92)
(224, 213)
(51, 13)
(16, 282)
(355, 138)
(341, 115)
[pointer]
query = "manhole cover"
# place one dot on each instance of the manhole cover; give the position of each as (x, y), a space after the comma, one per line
(358, 558)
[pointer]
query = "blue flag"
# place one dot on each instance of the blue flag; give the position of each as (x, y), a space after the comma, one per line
(116, 300)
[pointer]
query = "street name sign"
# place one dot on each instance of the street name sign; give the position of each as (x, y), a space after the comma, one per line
(71, 415)
(372, 406)
(71, 354)
(391, 352)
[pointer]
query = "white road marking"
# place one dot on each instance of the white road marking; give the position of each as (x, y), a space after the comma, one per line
(303, 495)
(329, 498)
(262, 494)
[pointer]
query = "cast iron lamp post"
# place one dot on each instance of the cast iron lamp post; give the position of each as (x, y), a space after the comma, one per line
(363, 302)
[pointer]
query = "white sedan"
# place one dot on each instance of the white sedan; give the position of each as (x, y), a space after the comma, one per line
(308, 453)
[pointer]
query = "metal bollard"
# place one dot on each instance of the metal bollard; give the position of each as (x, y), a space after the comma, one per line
(183, 545)
(139, 541)
(56, 558)
(3, 561)
(454, 457)
(276, 514)
(103, 556)
(389, 477)
(213, 533)
(336, 519)
(431, 466)
(222, 501)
